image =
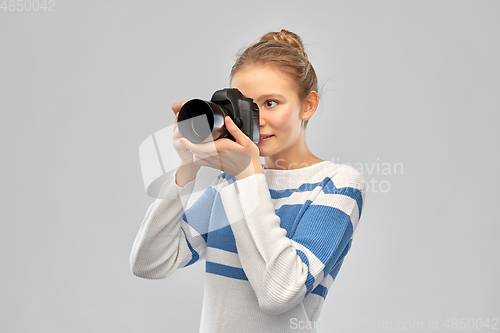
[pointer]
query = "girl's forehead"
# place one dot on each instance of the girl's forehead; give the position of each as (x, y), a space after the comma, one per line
(260, 79)
(260, 70)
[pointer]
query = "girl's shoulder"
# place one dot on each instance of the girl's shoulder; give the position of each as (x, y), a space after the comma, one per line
(344, 175)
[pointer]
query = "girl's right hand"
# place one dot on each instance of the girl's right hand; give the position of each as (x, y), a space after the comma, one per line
(184, 154)
(187, 169)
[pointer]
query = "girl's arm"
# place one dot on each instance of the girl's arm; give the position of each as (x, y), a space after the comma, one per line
(282, 270)
(167, 239)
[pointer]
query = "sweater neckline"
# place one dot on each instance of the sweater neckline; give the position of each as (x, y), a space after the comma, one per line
(286, 179)
(307, 168)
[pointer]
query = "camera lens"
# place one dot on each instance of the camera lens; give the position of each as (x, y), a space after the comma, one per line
(199, 123)
(199, 119)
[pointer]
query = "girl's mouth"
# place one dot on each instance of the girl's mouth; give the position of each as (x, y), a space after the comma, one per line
(265, 137)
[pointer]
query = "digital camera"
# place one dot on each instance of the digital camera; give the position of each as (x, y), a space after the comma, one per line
(200, 120)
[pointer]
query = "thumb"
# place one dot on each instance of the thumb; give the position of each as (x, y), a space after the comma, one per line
(234, 130)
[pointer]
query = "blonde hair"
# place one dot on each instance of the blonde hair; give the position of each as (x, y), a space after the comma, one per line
(284, 50)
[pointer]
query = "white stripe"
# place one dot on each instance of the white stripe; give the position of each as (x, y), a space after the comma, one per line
(347, 176)
(297, 177)
(222, 257)
(297, 198)
(327, 281)
(315, 298)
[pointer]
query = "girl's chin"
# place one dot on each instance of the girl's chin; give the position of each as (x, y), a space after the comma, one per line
(266, 150)
(263, 152)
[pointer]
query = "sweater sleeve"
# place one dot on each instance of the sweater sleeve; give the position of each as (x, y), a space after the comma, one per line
(283, 270)
(171, 237)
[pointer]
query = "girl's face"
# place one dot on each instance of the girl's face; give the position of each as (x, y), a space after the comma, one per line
(280, 108)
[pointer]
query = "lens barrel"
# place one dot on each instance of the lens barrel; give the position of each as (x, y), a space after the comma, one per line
(198, 120)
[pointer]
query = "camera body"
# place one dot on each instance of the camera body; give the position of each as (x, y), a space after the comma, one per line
(201, 121)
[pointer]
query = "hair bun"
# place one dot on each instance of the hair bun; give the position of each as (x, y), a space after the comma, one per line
(285, 37)
(284, 51)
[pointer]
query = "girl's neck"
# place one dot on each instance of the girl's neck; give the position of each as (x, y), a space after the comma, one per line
(296, 161)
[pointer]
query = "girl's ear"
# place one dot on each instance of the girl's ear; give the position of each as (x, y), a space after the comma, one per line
(310, 104)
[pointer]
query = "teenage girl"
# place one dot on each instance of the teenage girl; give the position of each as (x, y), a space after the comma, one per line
(274, 236)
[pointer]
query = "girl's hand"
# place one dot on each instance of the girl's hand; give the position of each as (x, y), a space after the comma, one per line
(187, 169)
(239, 159)
(184, 154)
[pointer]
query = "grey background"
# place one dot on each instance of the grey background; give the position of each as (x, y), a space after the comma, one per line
(405, 83)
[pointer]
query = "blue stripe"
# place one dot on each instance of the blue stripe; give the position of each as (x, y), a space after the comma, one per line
(198, 215)
(230, 179)
(278, 194)
(218, 216)
(223, 239)
(310, 278)
(351, 192)
(328, 235)
(194, 255)
(321, 291)
(333, 271)
(290, 216)
(354, 194)
(345, 246)
(228, 271)
(207, 218)
(328, 187)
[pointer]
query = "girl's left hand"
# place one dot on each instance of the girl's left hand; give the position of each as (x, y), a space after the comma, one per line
(239, 159)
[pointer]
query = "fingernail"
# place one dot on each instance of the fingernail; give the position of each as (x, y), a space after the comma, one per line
(229, 120)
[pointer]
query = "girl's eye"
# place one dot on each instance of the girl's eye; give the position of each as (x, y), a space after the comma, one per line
(270, 104)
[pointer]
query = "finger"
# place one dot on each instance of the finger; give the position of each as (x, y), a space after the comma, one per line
(227, 145)
(176, 133)
(176, 107)
(235, 131)
(214, 162)
(201, 149)
(236, 160)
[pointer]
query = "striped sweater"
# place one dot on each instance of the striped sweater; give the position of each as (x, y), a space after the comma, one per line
(273, 243)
